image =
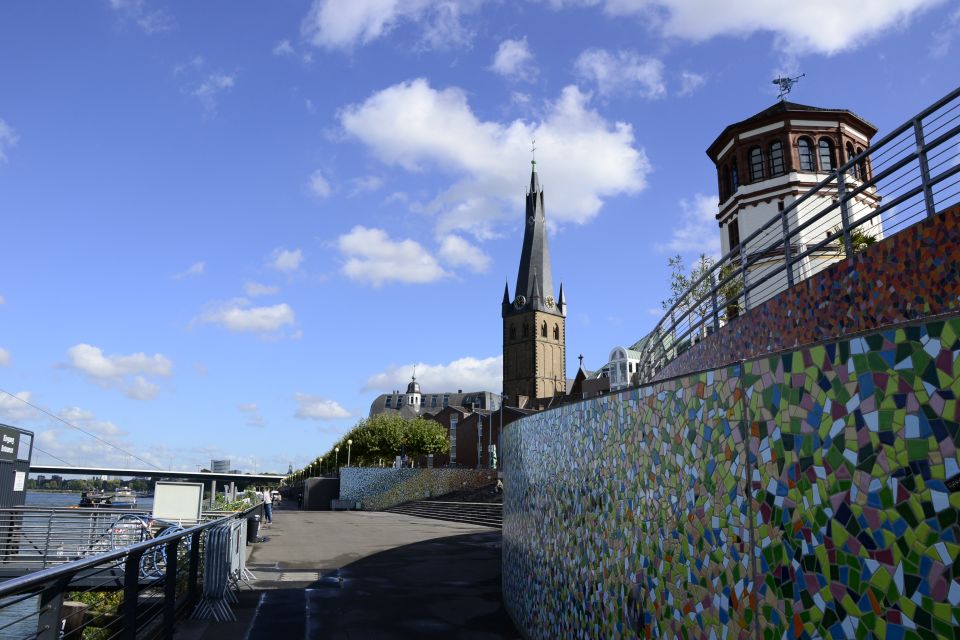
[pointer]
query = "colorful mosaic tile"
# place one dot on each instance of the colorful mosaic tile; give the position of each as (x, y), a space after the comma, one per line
(379, 489)
(911, 275)
(814, 494)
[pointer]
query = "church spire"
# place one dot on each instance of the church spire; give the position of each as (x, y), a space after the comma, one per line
(535, 277)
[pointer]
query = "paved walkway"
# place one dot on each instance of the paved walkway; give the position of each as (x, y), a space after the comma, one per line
(367, 575)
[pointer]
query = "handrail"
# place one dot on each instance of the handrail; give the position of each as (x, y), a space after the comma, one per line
(46, 576)
(701, 307)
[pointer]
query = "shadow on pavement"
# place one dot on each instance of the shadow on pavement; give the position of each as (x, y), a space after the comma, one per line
(441, 588)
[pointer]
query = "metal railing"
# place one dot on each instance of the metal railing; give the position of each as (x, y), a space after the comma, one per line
(909, 175)
(136, 591)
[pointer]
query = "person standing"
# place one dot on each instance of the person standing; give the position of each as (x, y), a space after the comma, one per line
(267, 505)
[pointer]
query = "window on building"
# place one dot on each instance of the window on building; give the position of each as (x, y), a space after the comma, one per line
(733, 234)
(556, 332)
(453, 439)
(805, 151)
(734, 177)
(862, 165)
(389, 399)
(756, 164)
(526, 330)
(543, 329)
(826, 154)
(776, 159)
(513, 332)
(854, 169)
(399, 402)
(725, 184)
(433, 401)
(446, 399)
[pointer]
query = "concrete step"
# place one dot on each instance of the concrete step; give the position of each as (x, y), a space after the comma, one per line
(485, 514)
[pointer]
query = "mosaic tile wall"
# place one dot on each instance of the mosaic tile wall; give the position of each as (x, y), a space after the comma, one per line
(912, 275)
(379, 488)
(808, 495)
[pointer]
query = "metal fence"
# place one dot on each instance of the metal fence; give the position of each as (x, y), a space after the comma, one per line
(136, 591)
(910, 174)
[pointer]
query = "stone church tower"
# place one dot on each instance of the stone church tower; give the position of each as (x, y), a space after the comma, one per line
(534, 335)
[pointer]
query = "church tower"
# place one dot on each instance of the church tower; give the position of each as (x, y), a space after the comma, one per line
(534, 331)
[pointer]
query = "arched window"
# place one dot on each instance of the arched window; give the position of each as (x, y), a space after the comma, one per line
(776, 159)
(543, 329)
(526, 330)
(805, 151)
(513, 332)
(826, 154)
(725, 184)
(556, 332)
(854, 169)
(734, 177)
(862, 164)
(756, 164)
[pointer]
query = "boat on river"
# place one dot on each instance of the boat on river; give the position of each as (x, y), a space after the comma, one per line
(123, 498)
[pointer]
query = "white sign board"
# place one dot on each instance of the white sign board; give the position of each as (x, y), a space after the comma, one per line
(19, 478)
(178, 501)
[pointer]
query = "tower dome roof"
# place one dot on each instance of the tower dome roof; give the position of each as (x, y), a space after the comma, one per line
(414, 386)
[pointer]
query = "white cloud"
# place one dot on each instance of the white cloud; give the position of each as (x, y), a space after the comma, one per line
(623, 72)
(13, 407)
(237, 315)
(208, 91)
(284, 48)
(334, 24)
(316, 408)
(513, 59)
(696, 231)
(4, 357)
(456, 252)
(366, 183)
(469, 374)
(286, 260)
(125, 373)
(151, 21)
(372, 257)
(690, 82)
(89, 422)
(581, 157)
(8, 139)
(944, 36)
(196, 269)
(252, 413)
(254, 289)
(319, 185)
(838, 25)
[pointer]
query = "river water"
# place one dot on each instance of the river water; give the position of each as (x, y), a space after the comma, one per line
(47, 499)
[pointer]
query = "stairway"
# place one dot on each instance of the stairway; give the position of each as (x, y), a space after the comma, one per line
(484, 514)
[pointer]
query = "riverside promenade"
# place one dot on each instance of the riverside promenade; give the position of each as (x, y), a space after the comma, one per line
(323, 574)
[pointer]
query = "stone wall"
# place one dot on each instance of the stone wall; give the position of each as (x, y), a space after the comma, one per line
(804, 495)
(379, 488)
(912, 275)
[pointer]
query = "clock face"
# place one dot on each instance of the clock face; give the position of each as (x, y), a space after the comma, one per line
(550, 301)
(519, 302)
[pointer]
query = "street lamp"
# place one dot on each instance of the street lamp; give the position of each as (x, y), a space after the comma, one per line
(321, 467)
(336, 459)
(349, 447)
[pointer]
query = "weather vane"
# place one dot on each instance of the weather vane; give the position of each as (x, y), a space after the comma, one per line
(533, 151)
(786, 84)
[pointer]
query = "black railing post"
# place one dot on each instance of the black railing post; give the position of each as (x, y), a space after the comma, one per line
(51, 600)
(924, 167)
(713, 299)
(743, 272)
(131, 593)
(194, 569)
(170, 589)
(844, 213)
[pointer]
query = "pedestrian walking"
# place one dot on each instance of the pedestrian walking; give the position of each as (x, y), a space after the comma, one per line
(267, 504)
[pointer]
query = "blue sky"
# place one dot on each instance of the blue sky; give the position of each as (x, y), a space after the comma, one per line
(228, 226)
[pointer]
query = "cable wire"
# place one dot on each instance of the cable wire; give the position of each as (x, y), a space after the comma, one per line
(84, 431)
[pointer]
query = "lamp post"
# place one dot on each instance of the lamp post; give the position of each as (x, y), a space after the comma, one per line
(321, 467)
(349, 447)
(336, 459)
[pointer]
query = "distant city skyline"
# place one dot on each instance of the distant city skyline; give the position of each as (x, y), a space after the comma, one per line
(229, 229)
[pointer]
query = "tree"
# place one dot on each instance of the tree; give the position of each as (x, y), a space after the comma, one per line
(692, 298)
(859, 239)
